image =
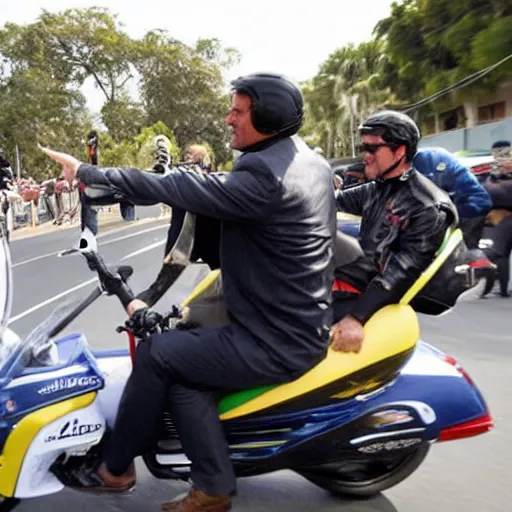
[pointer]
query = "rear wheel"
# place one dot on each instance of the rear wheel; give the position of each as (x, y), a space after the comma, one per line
(8, 504)
(366, 478)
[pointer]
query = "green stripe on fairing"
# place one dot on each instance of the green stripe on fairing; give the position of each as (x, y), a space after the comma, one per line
(236, 399)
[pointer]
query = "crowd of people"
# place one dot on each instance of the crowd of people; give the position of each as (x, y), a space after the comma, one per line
(57, 197)
(60, 198)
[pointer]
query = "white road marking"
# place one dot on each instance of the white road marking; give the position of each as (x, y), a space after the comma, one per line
(85, 283)
(144, 249)
(53, 299)
(100, 244)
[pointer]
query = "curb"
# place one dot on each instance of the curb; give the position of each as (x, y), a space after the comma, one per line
(46, 228)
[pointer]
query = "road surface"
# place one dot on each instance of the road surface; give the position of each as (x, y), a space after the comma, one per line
(471, 475)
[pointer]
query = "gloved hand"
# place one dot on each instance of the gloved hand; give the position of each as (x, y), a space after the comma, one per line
(145, 321)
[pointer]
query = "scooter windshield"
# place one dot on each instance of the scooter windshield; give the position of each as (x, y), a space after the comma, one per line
(37, 349)
(5, 283)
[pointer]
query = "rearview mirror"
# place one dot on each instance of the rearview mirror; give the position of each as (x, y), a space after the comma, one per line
(87, 242)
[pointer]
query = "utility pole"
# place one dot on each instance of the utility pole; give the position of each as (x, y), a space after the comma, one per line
(18, 162)
(352, 136)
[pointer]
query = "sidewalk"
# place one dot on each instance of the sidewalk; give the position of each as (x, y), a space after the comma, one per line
(107, 221)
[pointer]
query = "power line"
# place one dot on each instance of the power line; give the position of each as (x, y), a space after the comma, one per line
(460, 84)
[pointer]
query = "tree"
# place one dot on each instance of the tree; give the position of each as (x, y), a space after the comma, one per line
(123, 117)
(137, 151)
(348, 87)
(50, 59)
(184, 90)
(432, 44)
(89, 43)
(37, 104)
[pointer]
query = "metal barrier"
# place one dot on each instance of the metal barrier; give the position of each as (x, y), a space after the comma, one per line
(63, 208)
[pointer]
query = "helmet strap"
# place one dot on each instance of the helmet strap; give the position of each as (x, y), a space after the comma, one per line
(390, 169)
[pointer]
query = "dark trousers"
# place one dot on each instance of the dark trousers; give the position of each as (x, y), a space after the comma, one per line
(180, 371)
(89, 216)
(472, 228)
(501, 249)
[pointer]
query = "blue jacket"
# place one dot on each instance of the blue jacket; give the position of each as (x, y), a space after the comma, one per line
(440, 166)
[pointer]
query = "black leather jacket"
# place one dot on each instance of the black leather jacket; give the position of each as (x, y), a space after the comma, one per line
(278, 223)
(404, 221)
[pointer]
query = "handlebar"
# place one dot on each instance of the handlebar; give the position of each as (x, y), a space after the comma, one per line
(114, 283)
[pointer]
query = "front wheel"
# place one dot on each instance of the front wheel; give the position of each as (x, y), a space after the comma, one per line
(8, 504)
(367, 478)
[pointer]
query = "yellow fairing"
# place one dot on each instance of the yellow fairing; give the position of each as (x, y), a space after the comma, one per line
(23, 434)
(452, 240)
(201, 288)
(392, 330)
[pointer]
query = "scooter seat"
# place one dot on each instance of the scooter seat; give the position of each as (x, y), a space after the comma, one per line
(390, 337)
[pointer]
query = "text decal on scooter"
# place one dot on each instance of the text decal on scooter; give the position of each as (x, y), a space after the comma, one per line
(69, 383)
(74, 430)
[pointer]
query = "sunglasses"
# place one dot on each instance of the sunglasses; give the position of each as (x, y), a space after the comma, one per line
(373, 148)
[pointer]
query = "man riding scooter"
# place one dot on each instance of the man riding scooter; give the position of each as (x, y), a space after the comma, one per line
(278, 224)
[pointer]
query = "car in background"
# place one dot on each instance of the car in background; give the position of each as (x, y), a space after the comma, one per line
(480, 163)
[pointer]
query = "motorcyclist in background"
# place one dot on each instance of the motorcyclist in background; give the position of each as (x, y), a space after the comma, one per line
(469, 196)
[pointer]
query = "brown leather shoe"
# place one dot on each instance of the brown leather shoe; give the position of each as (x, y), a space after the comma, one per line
(198, 501)
(111, 483)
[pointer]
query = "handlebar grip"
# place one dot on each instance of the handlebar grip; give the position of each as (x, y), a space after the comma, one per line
(125, 271)
(124, 294)
(114, 284)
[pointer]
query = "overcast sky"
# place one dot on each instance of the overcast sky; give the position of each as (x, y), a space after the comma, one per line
(288, 36)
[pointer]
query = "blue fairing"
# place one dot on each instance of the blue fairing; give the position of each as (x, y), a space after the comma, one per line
(430, 390)
(349, 227)
(31, 388)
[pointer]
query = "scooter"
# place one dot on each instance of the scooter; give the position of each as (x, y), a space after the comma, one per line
(356, 424)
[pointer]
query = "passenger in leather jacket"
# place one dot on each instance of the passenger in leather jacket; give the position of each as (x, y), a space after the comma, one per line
(404, 220)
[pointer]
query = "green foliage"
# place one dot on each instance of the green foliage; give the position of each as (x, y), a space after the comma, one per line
(226, 166)
(421, 48)
(144, 142)
(43, 65)
(424, 46)
(138, 151)
(184, 89)
(348, 87)
(435, 43)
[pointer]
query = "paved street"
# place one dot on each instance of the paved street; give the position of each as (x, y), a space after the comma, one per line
(471, 475)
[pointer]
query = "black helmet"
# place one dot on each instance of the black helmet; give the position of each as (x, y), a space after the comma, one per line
(395, 128)
(277, 103)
